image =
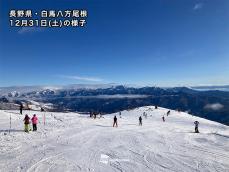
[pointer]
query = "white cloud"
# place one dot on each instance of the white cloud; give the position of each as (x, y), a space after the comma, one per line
(24, 30)
(81, 78)
(214, 106)
(198, 6)
(120, 96)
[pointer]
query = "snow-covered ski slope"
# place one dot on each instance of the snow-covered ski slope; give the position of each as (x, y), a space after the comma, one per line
(74, 142)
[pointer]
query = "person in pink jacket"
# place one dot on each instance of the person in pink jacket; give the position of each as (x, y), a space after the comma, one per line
(34, 122)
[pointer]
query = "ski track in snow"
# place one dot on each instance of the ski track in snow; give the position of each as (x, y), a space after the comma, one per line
(74, 142)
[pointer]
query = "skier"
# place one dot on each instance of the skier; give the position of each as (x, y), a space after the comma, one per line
(21, 107)
(168, 113)
(140, 121)
(145, 115)
(34, 122)
(196, 126)
(163, 118)
(26, 122)
(115, 121)
(42, 109)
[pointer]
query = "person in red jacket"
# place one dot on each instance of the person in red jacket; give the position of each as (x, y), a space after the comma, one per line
(34, 122)
(26, 122)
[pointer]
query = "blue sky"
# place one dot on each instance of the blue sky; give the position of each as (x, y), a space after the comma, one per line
(143, 42)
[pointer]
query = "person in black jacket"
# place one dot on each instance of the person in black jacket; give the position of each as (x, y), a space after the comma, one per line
(21, 108)
(140, 121)
(115, 121)
(196, 126)
(168, 113)
(163, 119)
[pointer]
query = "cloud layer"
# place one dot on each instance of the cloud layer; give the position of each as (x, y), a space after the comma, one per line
(214, 106)
(25, 30)
(81, 78)
(198, 6)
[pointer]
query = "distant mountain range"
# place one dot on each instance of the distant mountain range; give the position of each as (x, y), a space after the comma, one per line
(211, 102)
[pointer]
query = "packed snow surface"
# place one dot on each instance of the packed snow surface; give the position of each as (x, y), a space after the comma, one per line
(75, 142)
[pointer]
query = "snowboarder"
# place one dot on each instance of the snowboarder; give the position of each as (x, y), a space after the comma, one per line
(21, 108)
(168, 113)
(140, 121)
(196, 126)
(26, 122)
(163, 118)
(115, 121)
(34, 122)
